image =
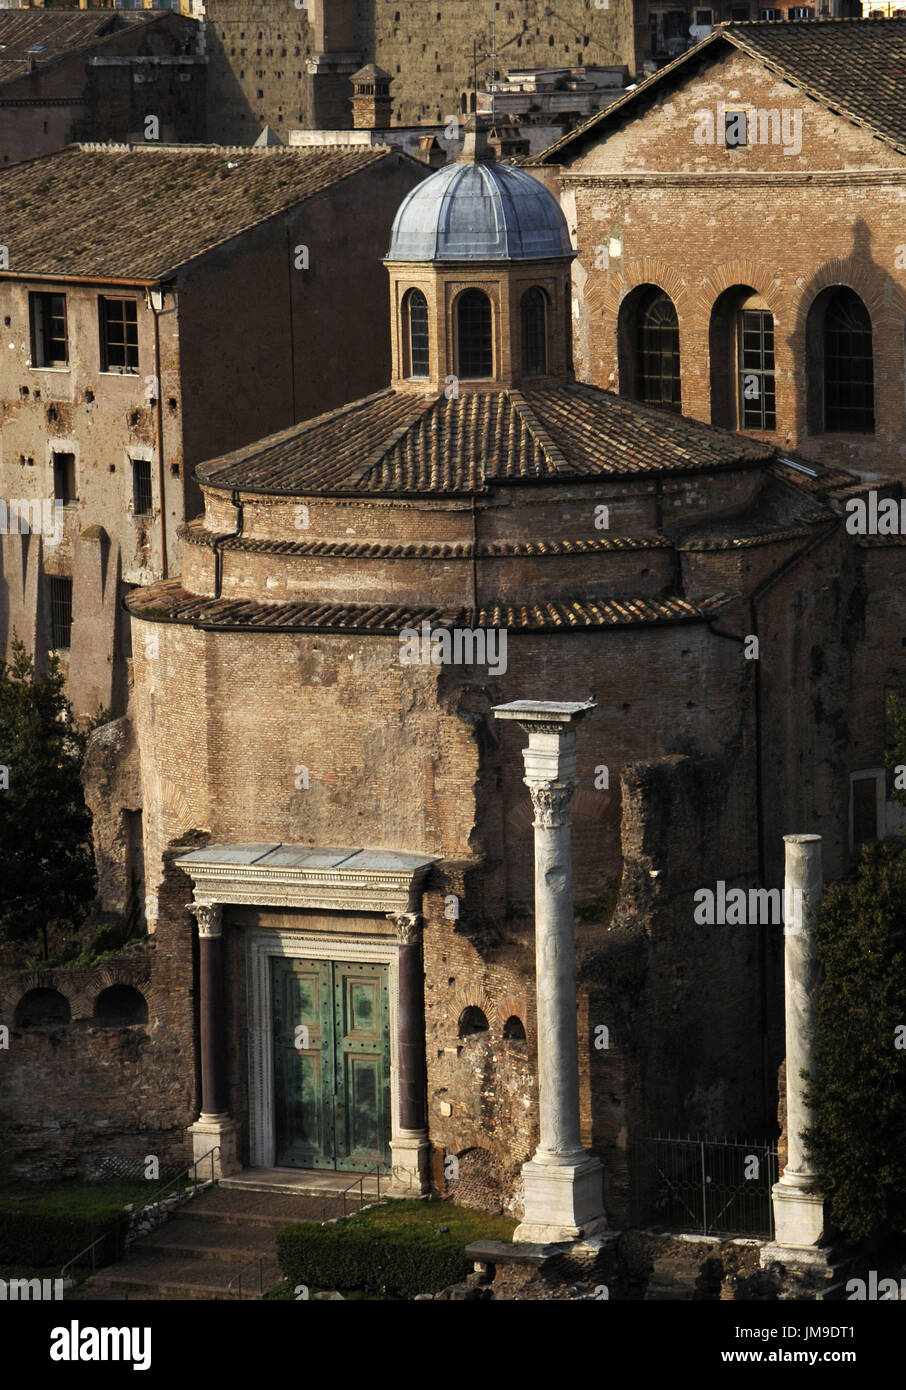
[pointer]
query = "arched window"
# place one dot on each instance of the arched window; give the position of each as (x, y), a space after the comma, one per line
(120, 1006)
(849, 404)
(415, 319)
(755, 362)
(534, 333)
(657, 350)
(514, 1029)
(42, 1008)
(473, 322)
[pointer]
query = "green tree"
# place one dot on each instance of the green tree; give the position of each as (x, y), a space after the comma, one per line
(48, 874)
(858, 1094)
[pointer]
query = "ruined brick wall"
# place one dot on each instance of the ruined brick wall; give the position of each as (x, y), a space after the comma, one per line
(79, 1096)
(650, 205)
(257, 55)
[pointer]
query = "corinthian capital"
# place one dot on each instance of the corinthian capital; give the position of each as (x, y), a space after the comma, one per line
(408, 926)
(550, 801)
(209, 917)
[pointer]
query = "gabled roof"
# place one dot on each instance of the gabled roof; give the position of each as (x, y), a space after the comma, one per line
(856, 67)
(119, 212)
(396, 443)
(40, 37)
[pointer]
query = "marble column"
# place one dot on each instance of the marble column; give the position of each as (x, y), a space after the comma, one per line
(799, 1212)
(214, 1127)
(563, 1198)
(409, 1144)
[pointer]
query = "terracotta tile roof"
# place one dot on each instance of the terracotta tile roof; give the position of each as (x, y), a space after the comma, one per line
(167, 601)
(854, 66)
(56, 33)
(782, 511)
(139, 212)
(195, 533)
(395, 442)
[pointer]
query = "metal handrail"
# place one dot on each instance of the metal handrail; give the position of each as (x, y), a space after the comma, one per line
(372, 1172)
(193, 1168)
(257, 1260)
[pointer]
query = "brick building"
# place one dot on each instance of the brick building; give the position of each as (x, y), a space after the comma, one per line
(739, 219)
(204, 303)
(97, 75)
(283, 67)
(355, 826)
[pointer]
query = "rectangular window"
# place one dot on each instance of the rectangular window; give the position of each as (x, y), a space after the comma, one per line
(768, 14)
(60, 612)
(141, 486)
(119, 335)
(756, 370)
(49, 346)
(703, 16)
(739, 12)
(866, 806)
(802, 12)
(735, 129)
(64, 479)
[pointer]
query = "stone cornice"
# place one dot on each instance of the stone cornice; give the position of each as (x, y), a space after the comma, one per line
(342, 886)
(757, 178)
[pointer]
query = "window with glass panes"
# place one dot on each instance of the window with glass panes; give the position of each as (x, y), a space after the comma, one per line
(49, 346)
(141, 486)
(119, 335)
(417, 315)
(534, 333)
(755, 337)
(473, 319)
(658, 360)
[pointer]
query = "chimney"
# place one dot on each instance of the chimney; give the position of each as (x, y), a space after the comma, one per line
(370, 98)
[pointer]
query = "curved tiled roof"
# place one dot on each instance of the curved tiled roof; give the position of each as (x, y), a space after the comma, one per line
(395, 443)
(167, 601)
(480, 211)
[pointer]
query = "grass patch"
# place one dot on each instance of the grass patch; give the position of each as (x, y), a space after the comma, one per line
(393, 1250)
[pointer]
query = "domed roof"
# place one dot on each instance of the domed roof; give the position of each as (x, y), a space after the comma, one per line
(481, 211)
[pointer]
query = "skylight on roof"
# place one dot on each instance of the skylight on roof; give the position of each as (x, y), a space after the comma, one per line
(36, 48)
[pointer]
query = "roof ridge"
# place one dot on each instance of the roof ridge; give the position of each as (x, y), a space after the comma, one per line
(391, 441)
(553, 455)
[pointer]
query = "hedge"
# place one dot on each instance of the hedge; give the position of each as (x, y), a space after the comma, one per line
(355, 1255)
(42, 1241)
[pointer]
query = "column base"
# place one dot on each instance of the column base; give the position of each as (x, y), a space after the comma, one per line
(798, 1213)
(204, 1134)
(410, 1154)
(562, 1202)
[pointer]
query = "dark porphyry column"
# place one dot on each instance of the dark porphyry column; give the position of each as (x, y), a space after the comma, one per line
(410, 1141)
(213, 1128)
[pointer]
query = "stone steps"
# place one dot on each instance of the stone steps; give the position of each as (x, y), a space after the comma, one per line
(196, 1253)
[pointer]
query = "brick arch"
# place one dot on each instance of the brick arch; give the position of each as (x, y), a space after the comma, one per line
(173, 801)
(17, 988)
(116, 972)
(513, 1004)
(869, 283)
(471, 997)
(739, 271)
(608, 296)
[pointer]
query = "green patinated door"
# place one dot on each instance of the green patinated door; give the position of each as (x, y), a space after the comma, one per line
(332, 1064)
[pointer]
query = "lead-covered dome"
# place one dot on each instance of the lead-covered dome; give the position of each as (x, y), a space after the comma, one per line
(481, 211)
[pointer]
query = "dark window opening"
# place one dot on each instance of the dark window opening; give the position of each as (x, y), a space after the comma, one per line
(120, 1006)
(471, 1021)
(864, 810)
(141, 486)
(848, 366)
(514, 1029)
(534, 333)
(473, 316)
(60, 612)
(735, 130)
(64, 479)
(49, 347)
(42, 1008)
(119, 335)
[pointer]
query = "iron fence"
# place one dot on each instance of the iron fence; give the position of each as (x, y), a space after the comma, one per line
(705, 1186)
